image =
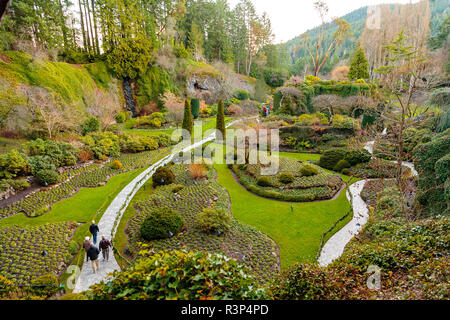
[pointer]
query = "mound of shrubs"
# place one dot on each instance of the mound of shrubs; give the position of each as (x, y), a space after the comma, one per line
(116, 165)
(161, 224)
(308, 170)
(213, 220)
(263, 182)
(163, 176)
(286, 178)
(330, 158)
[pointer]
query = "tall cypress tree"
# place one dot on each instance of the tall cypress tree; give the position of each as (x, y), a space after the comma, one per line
(220, 123)
(188, 123)
(359, 66)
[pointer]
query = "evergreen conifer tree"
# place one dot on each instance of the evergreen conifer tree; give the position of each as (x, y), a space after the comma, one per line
(188, 123)
(359, 66)
(220, 123)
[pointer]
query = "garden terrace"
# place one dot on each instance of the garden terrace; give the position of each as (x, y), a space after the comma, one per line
(376, 169)
(22, 248)
(95, 175)
(241, 242)
(319, 186)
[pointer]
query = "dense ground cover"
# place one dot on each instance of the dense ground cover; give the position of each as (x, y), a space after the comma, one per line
(244, 243)
(93, 175)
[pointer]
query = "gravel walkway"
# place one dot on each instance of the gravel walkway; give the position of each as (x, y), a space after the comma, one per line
(335, 246)
(111, 218)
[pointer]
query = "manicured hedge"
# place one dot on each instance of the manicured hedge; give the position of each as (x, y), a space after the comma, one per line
(160, 224)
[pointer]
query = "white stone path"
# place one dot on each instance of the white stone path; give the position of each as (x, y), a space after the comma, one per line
(110, 220)
(335, 246)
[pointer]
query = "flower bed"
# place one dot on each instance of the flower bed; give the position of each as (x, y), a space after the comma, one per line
(22, 257)
(91, 176)
(321, 186)
(241, 242)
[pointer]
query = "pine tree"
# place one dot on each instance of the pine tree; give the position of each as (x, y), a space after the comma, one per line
(187, 120)
(359, 67)
(220, 123)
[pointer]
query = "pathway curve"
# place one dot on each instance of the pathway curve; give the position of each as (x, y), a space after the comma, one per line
(335, 246)
(111, 218)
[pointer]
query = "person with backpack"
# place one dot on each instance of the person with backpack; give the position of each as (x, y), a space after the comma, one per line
(86, 246)
(104, 245)
(93, 253)
(94, 231)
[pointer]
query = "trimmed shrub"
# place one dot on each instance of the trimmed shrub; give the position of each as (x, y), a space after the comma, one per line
(286, 178)
(308, 170)
(160, 224)
(90, 125)
(242, 95)
(163, 176)
(45, 285)
(342, 164)
(331, 157)
(177, 188)
(195, 108)
(355, 157)
(263, 182)
(47, 177)
(212, 220)
(13, 164)
(116, 165)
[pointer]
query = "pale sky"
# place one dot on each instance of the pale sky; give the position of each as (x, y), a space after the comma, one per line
(291, 18)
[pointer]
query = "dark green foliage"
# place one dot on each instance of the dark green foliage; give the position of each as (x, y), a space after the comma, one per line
(46, 285)
(163, 176)
(90, 125)
(441, 98)
(188, 122)
(152, 85)
(47, 177)
(39, 163)
(263, 182)
(342, 164)
(431, 160)
(359, 66)
(308, 170)
(212, 220)
(103, 144)
(195, 108)
(331, 157)
(260, 90)
(181, 275)
(275, 77)
(160, 224)
(286, 177)
(220, 123)
(355, 157)
(242, 95)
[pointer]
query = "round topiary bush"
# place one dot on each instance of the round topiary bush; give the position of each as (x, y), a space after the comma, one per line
(210, 220)
(116, 165)
(286, 178)
(263, 182)
(331, 157)
(163, 176)
(342, 164)
(355, 157)
(161, 223)
(47, 177)
(308, 170)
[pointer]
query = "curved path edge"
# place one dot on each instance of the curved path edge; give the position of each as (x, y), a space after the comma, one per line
(111, 218)
(335, 246)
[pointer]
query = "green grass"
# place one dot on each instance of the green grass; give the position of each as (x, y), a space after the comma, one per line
(297, 233)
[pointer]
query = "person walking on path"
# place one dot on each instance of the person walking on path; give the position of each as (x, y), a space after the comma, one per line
(94, 231)
(104, 246)
(93, 253)
(86, 246)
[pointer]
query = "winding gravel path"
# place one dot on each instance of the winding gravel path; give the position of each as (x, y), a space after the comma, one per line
(335, 246)
(110, 220)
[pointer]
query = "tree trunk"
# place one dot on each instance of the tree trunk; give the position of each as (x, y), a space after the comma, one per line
(128, 95)
(82, 26)
(94, 17)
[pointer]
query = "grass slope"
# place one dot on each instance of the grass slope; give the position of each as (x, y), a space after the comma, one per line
(298, 233)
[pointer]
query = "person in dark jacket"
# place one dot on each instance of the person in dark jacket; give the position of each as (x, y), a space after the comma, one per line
(86, 246)
(93, 253)
(94, 231)
(104, 245)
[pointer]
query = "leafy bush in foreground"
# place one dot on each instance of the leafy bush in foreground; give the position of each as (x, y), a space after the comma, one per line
(181, 275)
(212, 220)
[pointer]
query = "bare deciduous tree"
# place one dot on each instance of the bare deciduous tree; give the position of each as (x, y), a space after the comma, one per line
(104, 105)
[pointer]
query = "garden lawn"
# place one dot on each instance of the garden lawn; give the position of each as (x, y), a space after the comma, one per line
(298, 233)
